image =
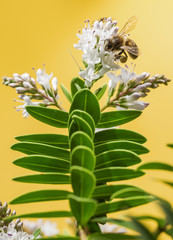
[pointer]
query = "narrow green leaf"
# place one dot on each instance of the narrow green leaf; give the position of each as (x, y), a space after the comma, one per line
(60, 238)
(121, 144)
(117, 134)
(112, 236)
(53, 214)
(116, 118)
(83, 181)
(85, 116)
(128, 192)
(77, 81)
(160, 221)
(56, 140)
(84, 157)
(80, 138)
(123, 204)
(53, 117)
(45, 178)
(82, 208)
(41, 196)
(111, 174)
(145, 233)
(170, 145)
(41, 149)
(85, 100)
(66, 93)
(106, 191)
(36, 233)
(168, 210)
(79, 124)
(156, 166)
(43, 164)
(168, 183)
(117, 158)
(100, 91)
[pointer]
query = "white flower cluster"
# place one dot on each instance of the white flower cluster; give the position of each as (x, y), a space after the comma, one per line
(26, 86)
(48, 228)
(10, 233)
(91, 42)
(127, 87)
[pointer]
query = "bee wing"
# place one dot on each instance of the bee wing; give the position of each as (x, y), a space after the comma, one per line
(129, 26)
(133, 50)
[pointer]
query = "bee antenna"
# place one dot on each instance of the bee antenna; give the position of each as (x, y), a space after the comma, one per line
(74, 59)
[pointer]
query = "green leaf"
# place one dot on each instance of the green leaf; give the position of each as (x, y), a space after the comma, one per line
(106, 191)
(85, 100)
(117, 134)
(111, 236)
(156, 166)
(168, 210)
(43, 164)
(116, 118)
(82, 208)
(66, 93)
(128, 192)
(80, 138)
(83, 181)
(84, 157)
(52, 178)
(168, 183)
(41, 149)
(145, 233)
(53, 117)
(160, 221)
(78, 124)
(121, 144)
(117, 158)
(85, 116)
(111, 174)
(170, 145)
(77, 81)
(53, 214)
(100, 91)
(36, 233)
(56, 140)
(60, 238)
(123, 204)
(41, 196)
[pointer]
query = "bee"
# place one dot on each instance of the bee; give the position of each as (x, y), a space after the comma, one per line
(120, 44)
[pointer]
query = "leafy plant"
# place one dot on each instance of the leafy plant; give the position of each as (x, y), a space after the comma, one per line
(89, 157)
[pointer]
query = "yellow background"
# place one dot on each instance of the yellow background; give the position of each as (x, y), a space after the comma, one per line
(34, 32)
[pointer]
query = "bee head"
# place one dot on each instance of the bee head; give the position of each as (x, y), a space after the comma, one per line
(108, 45)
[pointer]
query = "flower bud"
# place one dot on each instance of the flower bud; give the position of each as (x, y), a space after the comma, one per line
(54, 83)
(141, 87)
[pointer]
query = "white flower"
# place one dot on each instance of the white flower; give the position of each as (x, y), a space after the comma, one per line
(12, 234)
(48, 228)
(89, 75)
(27, 102)
(113, 80)
(55, 83)
(92, 43)
(43, 78)
(111, 228)
(127, 75)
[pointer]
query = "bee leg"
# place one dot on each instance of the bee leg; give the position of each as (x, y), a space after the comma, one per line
(118, 56)
(123, 59)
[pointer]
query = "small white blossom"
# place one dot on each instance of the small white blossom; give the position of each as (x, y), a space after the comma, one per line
(48, 228)
(55, 83)
(113, 80)
(43, 78)
(111, 228)
(27, 102)
(12, 234)
(127, 75)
